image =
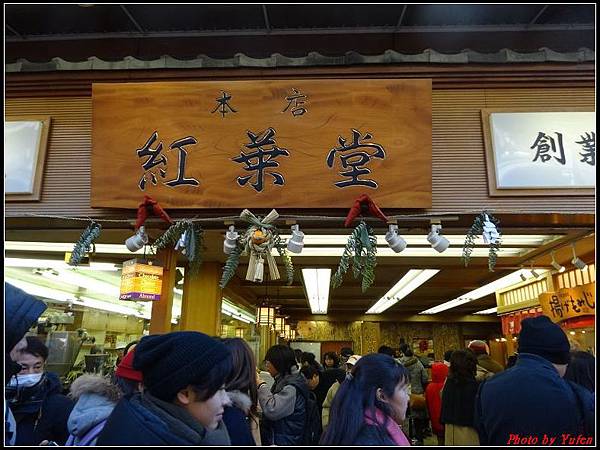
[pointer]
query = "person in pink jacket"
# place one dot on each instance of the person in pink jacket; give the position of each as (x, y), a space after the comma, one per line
(439, 372)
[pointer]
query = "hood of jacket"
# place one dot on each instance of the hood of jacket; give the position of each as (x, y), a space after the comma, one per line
(240, 400)
(94, 384)
(89, 411)
(409, 361)
(486, 362)
(294, 378)
(21, 311)
(439, 372)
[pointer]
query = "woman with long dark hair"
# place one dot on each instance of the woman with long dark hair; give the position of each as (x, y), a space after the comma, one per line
(458, 400)
(241, 417)
(370, 404)
(581, 370)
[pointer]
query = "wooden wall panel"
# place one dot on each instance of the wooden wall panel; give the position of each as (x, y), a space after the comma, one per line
(458, 155)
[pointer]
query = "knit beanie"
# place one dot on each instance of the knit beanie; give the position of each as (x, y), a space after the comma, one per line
(170, 362)
(125, 368)
(544, 338)
(479, 347)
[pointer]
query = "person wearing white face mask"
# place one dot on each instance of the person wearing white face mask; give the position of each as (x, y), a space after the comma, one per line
(34, 396)
(21, 311)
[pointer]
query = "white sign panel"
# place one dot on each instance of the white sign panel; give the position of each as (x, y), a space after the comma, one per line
(537, 150)
(21, 146)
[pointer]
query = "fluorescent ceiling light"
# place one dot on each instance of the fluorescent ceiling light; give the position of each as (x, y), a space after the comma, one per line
(490, 288)
(57, 264)
(87, 283)
(488, 311)
(64, 247)
(478, 252)
(228, 308)
(331, 239)
(416, 239)
(51, 294)
(317, 283)
(408, 283)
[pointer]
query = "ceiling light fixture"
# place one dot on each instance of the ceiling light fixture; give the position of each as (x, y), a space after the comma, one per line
(556, 265)
(394, 240)
(408, 283)
(488, 311)
(438, 242)
(533, 272)
(576, 261)
(490, 288)
(316, 283)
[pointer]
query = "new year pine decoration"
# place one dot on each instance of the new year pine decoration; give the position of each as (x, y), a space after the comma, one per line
(486, 225)
(85, 242)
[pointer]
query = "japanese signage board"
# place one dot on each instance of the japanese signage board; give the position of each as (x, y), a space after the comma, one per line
(140, 281)
(569, 303)
(284, 144)
(25, 142)
(540, 153)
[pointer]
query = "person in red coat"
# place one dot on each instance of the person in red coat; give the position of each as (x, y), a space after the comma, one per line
(439, 372)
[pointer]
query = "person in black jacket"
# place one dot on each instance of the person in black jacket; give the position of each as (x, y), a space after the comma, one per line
(21, 312)
(458, 400)
(241, 415)
(284, 405)
(183, 399)
(35, 399)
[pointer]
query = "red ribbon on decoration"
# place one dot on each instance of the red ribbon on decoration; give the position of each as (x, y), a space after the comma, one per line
(363, 205)
(147, 207)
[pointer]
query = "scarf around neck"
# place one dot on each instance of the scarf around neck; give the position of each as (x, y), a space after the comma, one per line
(391, 427)
(183, 424)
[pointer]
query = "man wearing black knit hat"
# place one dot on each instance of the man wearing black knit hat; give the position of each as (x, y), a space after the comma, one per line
(183, 399)
(530, 403)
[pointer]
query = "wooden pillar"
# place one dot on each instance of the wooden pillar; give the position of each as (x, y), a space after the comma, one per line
(160, 320)
(265, 342)
(201, 302)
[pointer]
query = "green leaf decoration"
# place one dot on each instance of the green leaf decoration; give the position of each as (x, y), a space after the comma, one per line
(475, 231)
(287, 260)
(361, 251)
(171, 236)
(231, 265)
(84, 244)
(192, 244)
(193, 249)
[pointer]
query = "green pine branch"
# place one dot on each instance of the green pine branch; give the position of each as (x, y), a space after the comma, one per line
(84, 244)
(194, 247)
(171, 236)
(233, 260)
(361, 252)
(475, 231)
(287, 261)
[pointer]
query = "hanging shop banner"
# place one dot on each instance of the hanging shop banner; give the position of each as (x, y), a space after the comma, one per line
(569, 303)
(140, 281)
(511, 323)
(540, 153)
(267, 144)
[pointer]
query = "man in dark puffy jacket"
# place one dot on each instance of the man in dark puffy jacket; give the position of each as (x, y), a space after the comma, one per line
(531, 402)
(35, 399)
(284, 405)
(21, 311)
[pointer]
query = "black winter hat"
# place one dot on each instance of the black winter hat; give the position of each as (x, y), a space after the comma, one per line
(170, 362)
(544, 338)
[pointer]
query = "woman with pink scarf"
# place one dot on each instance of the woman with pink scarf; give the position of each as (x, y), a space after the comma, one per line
(370, 404)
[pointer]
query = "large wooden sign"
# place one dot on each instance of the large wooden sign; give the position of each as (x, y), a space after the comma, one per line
(569, 303)
(271, 144)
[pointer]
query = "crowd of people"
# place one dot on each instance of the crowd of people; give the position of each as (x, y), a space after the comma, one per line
(187, 388)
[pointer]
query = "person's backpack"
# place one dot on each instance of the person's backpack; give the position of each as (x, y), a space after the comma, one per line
(314, 427)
